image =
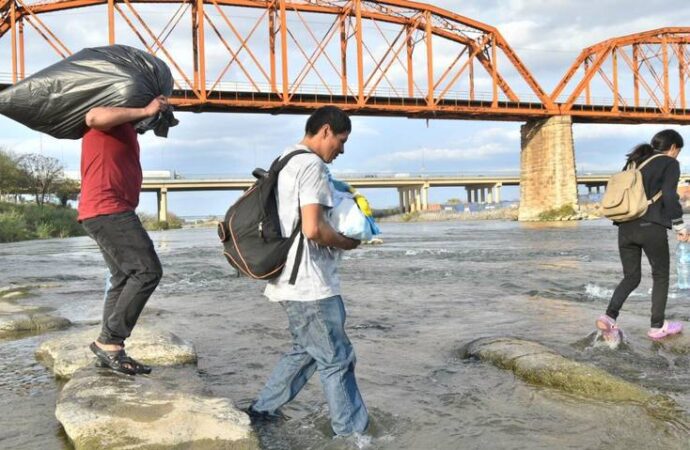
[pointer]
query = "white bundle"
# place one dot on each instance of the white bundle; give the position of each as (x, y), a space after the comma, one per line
(348, 219)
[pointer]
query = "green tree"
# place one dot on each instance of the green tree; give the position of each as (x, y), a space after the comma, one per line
(66, 189)
(41, 174)
(10, 174)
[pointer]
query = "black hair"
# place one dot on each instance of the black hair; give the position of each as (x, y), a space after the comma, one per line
(661, 142)
(331, 116)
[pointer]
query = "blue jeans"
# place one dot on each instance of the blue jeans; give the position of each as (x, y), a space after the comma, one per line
(319, 343)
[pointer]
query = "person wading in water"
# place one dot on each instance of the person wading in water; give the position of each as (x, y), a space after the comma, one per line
(648, 233)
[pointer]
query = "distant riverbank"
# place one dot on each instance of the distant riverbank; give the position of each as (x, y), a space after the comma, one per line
(586, 212)
(27, 221)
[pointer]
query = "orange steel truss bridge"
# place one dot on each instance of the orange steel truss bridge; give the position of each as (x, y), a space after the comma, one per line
(387, 58)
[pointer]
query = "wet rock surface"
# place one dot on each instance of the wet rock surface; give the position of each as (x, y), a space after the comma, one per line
(678, 344)
(102, 409)
(540, 365)
(70, 352)
(18, 319)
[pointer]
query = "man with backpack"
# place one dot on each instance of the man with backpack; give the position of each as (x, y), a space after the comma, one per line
(312, 301)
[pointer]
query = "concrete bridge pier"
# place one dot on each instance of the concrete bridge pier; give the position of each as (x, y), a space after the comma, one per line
(406, 199)
(595, 188)
(162, 195)
(484, 193)
(424, 190)
(496, 189)
(414, 198)
(547, 167)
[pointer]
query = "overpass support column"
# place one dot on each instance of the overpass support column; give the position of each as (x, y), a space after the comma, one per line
(497, 193)
(417, 192)
(163, 205)
(425, 196)
(402, 192)
(547, 167)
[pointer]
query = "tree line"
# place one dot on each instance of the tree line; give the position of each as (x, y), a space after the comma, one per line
(41, 176)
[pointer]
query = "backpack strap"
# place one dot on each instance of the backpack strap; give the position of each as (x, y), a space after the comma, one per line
(655, 198)
(278, 165)
(648, 160)
(300, 251)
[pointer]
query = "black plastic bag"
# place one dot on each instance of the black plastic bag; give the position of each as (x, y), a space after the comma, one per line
(56, 99)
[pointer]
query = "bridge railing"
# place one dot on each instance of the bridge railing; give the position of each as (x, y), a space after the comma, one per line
(226, 90)
(174, 175)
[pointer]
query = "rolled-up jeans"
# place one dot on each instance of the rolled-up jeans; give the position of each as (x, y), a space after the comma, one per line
(319, 343)
(135, 271)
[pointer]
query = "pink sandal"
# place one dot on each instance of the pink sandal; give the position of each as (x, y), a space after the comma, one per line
(669, 328)
(606, 324)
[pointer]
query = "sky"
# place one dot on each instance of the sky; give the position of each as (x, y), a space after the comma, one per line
(547, 35)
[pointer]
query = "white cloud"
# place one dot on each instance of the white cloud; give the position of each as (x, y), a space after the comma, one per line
(641, 133)
(447, 154)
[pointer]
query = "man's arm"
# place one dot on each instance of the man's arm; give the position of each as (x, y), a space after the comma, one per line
(316, 228)
(104, 118)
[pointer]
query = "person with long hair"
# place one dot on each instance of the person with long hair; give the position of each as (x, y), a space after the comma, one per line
(648, 233)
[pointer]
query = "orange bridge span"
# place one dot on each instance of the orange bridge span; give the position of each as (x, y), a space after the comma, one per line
(385, 58)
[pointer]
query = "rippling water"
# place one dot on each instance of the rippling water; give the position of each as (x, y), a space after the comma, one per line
(412, 303)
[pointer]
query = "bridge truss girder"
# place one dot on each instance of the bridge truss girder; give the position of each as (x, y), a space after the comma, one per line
(645, 77)
(424, 55)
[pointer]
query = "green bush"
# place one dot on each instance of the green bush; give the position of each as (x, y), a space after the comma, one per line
(45, 230)
(30, 221)
(151, 223)
(558, 213)
(12, 227)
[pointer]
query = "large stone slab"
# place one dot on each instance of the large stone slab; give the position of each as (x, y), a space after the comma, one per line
(537, 364)
(540, 365)
(100, 409)
(68, 353)
(14, 291)
(16, 320)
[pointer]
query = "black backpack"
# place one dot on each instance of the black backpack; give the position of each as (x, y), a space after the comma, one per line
(250, 233)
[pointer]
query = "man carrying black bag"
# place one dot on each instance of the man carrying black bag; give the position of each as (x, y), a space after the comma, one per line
(111, 179)
(314, 306)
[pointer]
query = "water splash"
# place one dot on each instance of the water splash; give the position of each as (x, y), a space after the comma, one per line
(597, 292)
(612, 340)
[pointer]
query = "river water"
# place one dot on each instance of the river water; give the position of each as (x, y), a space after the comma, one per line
(412, 303)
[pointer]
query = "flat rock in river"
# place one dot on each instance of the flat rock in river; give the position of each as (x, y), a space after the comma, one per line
(101, 409)
(25, 320)
(540, 365)
(66, 354)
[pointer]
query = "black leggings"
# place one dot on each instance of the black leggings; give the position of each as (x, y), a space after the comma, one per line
(633, 238)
